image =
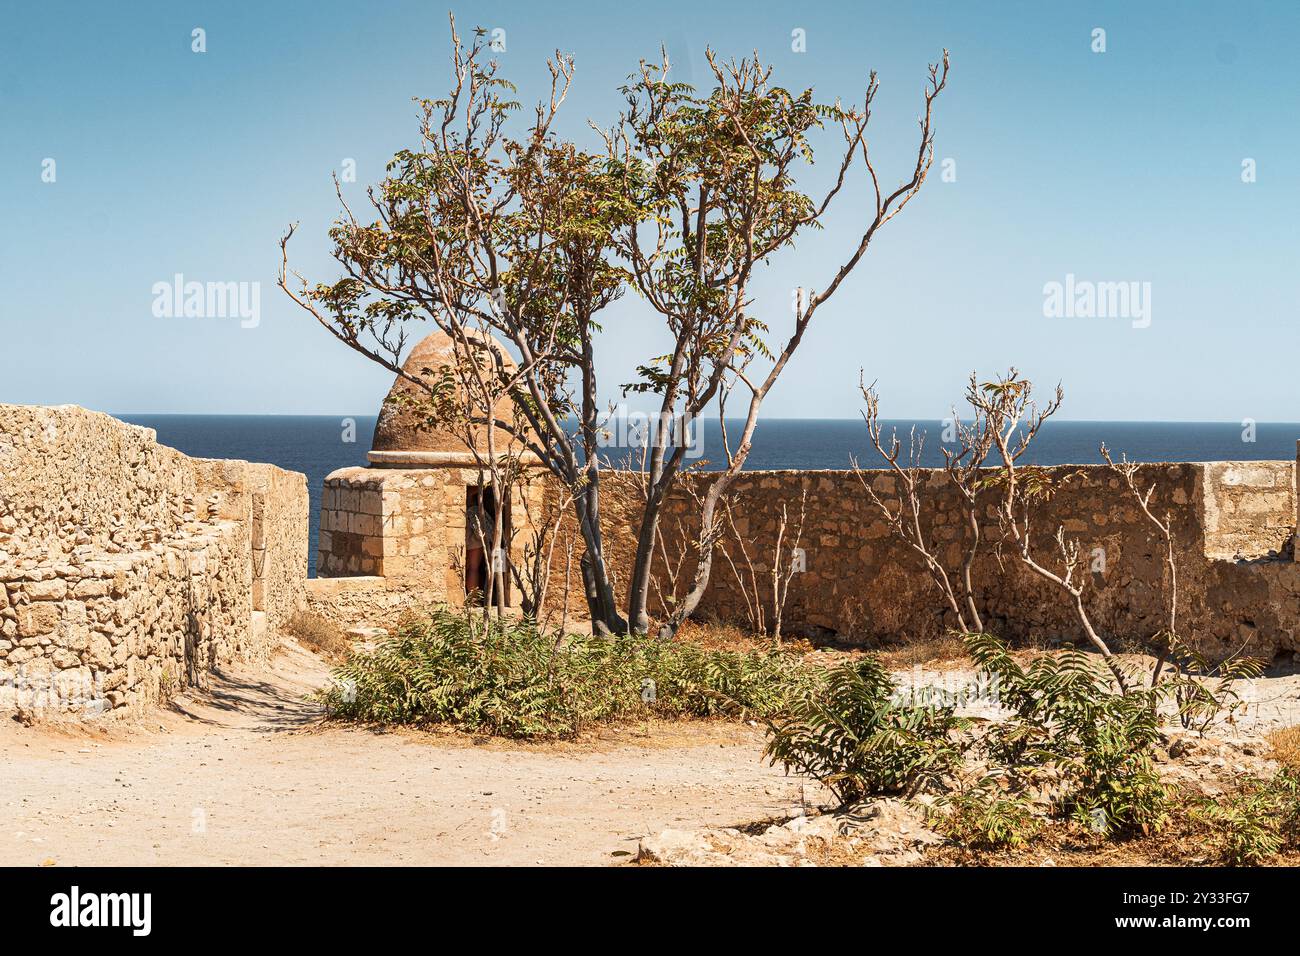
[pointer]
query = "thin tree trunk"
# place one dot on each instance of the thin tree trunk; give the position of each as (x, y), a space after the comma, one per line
(704, 567)
(967, 578)
(601, 604)
(639, 587)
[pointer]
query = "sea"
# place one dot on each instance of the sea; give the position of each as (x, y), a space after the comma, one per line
(317, 445)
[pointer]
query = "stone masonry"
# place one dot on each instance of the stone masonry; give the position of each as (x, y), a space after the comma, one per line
(129, 570)
(391, 538)
(1234, 527)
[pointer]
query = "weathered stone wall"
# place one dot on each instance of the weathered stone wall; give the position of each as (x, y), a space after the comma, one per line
(80, 480)
(271, 504)
(1249, 507)
(280, 521)
(368, 601)
(127, 568)
(1233, 524)
(351, 539)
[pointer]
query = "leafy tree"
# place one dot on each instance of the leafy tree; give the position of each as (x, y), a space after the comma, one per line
(483, 233)
(526, 237)
(715, 174)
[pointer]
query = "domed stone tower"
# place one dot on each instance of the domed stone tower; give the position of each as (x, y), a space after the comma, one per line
(403, 436)
(408, 522)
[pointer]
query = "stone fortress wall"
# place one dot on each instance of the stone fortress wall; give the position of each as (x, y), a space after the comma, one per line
(390, 540)
(1234, 526)
(127, 569)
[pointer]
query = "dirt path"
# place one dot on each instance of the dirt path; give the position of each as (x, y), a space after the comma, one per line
(245, 774)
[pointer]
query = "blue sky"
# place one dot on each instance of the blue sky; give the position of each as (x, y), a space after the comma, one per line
(1117, 166)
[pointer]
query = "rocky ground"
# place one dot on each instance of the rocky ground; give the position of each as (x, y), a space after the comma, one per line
(889, 832)
(876, 833)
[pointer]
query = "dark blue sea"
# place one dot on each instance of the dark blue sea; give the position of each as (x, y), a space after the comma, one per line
(317, 445)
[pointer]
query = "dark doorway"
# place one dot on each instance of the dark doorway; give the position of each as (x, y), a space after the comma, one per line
(480, 512)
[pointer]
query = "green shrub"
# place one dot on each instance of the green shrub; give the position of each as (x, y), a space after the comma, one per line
(1068, 712)
(1256, 822)
(1205, 691)
(849, 734)
(985, 817)
(508, 678)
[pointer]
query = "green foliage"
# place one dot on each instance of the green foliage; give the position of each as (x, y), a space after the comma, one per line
(510, 679)
(1255, 823)
(985, 817)
(848, 733)
(1068, 712)
(1204, 690)
(712, 175)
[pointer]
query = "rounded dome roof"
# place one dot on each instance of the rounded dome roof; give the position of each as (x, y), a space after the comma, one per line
(403, 434)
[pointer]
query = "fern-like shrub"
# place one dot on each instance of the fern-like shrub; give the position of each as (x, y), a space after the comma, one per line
(985, 817)
(1068, 712)
(848, 733)
(507, 678)
(1204, 691)
(1255, 823)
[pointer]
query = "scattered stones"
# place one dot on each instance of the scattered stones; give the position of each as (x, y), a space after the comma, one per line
(882, 832)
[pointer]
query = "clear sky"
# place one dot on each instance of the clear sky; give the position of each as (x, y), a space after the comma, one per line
(1119, 166)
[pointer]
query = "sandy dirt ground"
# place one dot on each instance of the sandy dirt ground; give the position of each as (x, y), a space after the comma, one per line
(244, 773)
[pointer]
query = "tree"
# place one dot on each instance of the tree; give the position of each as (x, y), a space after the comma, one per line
(478, 233)
(964, 467)
(715, 175)
(527, 237)
(1014, 419)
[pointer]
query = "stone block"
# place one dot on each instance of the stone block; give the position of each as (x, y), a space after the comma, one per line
(92, 588)
(54, 590)
(37, 619)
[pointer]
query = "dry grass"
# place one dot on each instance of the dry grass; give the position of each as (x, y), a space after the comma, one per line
(1286, 747)
(945, 649)
(715, 636)
(718, 636)
(322, 636)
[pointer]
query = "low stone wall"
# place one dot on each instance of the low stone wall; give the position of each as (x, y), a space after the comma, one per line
(127, 569)
(1233, 525)
(367, 601)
